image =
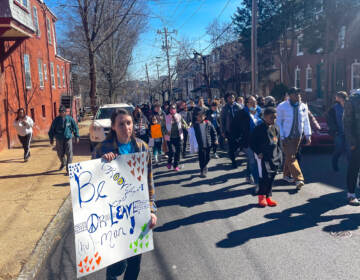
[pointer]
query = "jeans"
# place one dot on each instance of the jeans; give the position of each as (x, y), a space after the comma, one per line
(252, 165)
(353, 169)
(341, 147)
(233, 146)
(174, 143)
(204, 157)
(157, 147)
(130, 266)
(25, 141)
(186, 133)
(64, 147)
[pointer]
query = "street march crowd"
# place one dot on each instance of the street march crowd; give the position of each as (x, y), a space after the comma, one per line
(270, 134)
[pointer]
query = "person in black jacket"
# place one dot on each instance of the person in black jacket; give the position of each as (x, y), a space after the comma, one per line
(206, 137)
(213, 116)
(265, 142)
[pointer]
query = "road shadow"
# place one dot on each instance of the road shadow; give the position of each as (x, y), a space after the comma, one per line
(292, 219)
(212, 181)
(192, 200)
(20, 160)
(205, 217)
(61, 185)
(22, 175)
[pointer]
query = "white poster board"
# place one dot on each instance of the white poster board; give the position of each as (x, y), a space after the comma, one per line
(111, 211)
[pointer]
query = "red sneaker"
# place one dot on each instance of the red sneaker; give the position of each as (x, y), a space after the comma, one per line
(271, 202)
(262, 201)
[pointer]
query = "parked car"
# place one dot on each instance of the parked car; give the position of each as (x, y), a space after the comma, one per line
(320, 138)
(101, 124)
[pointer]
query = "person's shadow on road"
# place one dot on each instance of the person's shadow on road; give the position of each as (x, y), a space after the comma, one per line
(296, 219)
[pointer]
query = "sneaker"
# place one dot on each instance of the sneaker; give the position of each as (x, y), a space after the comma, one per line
(270, 202)
(353, 201)
(177, 168)
(202, 174)
(249, 180)
(62, 166)
(289, 179)
(169, 166)
(262, 201)
(205, 171)
(299, 185)
(216, 156)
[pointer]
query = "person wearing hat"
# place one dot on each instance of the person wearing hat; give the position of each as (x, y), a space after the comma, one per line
(227, 116)
(62, 129)
(352, 136)
(293, 121)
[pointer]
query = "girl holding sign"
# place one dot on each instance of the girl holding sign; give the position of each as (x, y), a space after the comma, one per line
(120, 141)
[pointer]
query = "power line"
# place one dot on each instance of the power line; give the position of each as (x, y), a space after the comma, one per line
(193, 14)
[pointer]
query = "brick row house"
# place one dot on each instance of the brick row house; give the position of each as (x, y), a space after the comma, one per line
(32, 75)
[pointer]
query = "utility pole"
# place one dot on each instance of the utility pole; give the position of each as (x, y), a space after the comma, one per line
(206, 76)
(148, 80)
(254, 60)
(166, 48)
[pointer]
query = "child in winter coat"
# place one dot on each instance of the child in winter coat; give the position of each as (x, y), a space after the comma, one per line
(156, 137)
(265, 142)
(206, 138)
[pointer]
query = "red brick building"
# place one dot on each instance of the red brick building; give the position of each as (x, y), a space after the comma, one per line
(32, 75)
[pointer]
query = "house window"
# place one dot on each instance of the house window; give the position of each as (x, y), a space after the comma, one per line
(297, 77)
(48, 27)
(63, 76)
(43, 109)
(308, 78)
(41, 76)
(355, 75)
(299, 47)
(58, 76)
(341, 39)
(52, 74)
(54, 37)
(32, 112)
(36, 21)
(27, 71)
(45, 72)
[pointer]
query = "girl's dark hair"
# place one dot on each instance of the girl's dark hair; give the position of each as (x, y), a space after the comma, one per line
(18, 111)
(113, 118)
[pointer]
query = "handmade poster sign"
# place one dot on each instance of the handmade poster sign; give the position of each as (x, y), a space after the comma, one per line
(111, 211)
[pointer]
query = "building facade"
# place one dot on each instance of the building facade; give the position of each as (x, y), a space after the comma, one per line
(32, 74)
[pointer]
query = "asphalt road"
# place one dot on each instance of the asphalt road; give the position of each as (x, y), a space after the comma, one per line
(212, 228)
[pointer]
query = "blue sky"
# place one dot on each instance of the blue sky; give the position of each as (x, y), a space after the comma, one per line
(189, 17)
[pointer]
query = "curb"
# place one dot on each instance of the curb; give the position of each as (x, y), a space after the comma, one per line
(48, 241)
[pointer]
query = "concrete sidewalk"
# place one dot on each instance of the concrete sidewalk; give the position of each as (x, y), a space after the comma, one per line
(31, 195)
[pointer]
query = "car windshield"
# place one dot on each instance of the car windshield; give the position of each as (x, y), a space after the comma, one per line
(105, 113)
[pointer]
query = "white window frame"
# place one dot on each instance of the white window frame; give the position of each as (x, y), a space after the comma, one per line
(54, 37)
(48, 29)
(297, 77)
(299, 52)
(355, 64)
(36, 21)
(45, 72)
(63, 76)
(309, 76)
(27, 71)
(342, 37)
(58, 76)
(52, 74)
(41, 74)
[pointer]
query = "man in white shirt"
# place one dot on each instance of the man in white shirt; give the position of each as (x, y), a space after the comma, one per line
(23, 125)
(293, 121)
